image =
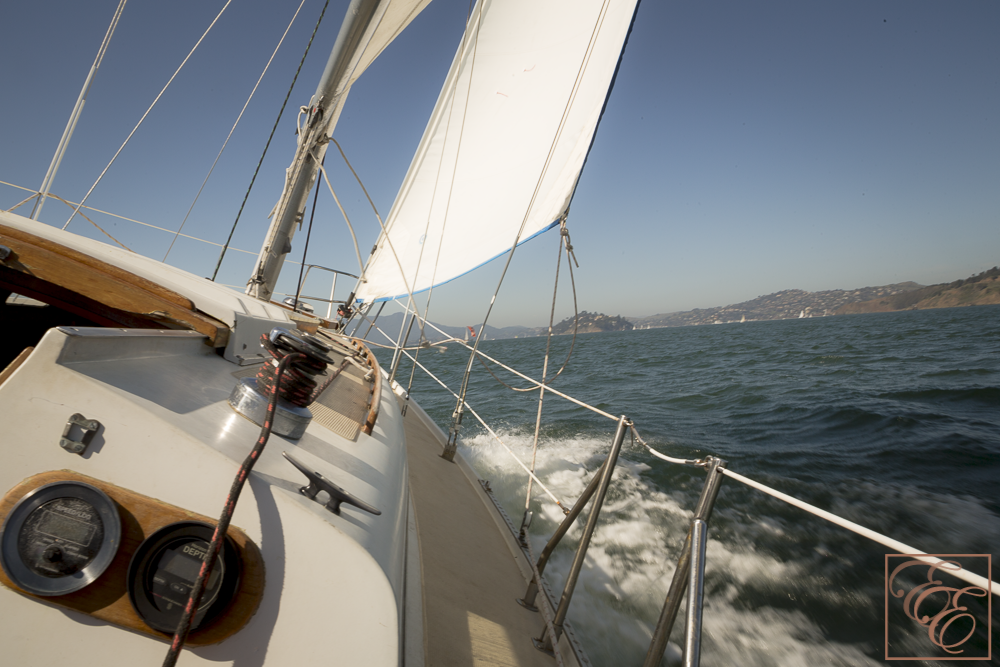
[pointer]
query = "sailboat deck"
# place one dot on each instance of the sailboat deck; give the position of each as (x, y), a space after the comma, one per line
(471, 578)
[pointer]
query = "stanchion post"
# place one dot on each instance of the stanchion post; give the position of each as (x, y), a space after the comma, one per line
(528, 601)
(544, 643)
(696, 594)
(702, 512)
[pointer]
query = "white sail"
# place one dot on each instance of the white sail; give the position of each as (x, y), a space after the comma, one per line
(370, 25)
(503, 150)
(397, 15)
(388, 19)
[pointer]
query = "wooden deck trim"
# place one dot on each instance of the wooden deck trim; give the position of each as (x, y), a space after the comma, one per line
(14, 365)
(106, 598)
(376, 389)
(42, 262)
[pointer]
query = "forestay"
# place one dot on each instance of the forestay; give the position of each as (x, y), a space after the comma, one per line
(502, 152)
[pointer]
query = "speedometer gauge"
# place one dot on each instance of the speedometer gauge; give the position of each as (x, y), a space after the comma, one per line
(59, 538)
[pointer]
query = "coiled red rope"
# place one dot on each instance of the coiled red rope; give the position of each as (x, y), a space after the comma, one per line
(300, 384)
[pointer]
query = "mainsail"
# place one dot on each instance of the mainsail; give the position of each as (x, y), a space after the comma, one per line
(502, 152)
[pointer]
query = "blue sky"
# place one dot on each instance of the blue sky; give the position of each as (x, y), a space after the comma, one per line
(747, 147)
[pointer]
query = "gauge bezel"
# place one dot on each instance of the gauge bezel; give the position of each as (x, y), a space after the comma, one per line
(21, 575)
(149, 553)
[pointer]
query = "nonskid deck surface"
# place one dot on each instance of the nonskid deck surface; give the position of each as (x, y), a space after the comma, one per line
(470, 577)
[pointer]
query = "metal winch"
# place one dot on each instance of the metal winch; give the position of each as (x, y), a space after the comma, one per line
(251, 395)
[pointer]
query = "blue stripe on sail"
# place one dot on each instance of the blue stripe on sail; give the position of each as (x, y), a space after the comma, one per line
(400, 296)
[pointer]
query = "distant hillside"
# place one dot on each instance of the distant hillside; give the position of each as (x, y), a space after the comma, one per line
(976, 290)
(588, 323)
(979, 289)
(778, 306)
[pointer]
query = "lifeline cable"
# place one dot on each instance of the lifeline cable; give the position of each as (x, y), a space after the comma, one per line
(113, 215)
(884, 540)
(514, 371)
(489, 430)
(184, 625)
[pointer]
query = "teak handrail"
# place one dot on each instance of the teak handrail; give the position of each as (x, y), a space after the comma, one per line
(72, 280)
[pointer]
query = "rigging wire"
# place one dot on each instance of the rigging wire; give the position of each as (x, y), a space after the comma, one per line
(385, 233)
(305, 250)
(401, 343)
(545, 370)
(364, 316)
(564, 232)
(74, 116)
(437, 175)
(607, 97)
(457, 414)
(457, 418)
(157, 99)
(113, 215)
(231, 131)
(277, 120)
(350, 227)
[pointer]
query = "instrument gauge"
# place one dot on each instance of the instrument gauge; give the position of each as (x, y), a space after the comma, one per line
(59, 538)
(164, 570)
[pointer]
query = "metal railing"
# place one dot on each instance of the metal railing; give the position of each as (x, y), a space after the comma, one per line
(545, 641)
(692, 551)
(333, 287)
(689, 574)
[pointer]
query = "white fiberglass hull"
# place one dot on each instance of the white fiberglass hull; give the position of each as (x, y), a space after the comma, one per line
(334, 584)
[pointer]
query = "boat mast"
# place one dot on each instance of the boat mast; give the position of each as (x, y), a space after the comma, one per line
(74, 116)
(323, 112)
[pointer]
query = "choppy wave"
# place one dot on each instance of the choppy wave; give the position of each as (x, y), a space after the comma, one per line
(890, 420)
(782, 588)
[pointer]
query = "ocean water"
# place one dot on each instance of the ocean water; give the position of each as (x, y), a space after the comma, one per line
(889, 420)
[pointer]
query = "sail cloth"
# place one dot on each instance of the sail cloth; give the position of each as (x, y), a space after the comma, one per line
(389, 19)
(504, 147)
(368, 27)
(397, 15)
